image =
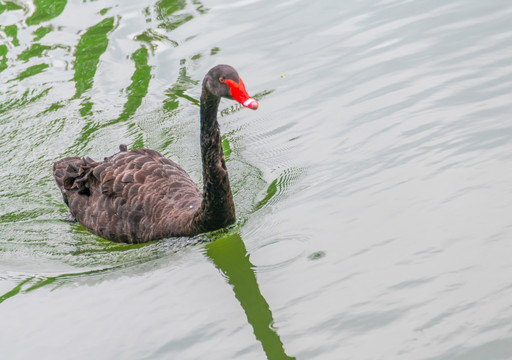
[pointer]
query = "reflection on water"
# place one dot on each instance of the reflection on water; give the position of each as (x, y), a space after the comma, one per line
(372, 186)
(91, 46)
(230, 256)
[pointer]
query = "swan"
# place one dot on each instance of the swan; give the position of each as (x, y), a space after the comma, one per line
(138, 195)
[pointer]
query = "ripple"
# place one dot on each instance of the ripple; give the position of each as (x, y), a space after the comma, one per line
(278, 253)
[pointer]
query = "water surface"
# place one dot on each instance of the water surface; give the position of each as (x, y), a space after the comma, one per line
(373, 186)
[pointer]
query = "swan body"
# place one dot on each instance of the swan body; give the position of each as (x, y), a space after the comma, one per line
(138, 195)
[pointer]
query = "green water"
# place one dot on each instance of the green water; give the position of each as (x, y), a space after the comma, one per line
(372, 186)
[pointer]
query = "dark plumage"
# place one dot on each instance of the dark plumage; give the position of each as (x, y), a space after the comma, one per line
(138, 195)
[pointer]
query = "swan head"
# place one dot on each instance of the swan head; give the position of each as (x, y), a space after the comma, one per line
(224, 81)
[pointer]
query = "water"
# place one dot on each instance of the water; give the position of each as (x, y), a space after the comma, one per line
(373, 185)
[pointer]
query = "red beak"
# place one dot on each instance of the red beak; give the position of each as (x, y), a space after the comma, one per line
(239, 94)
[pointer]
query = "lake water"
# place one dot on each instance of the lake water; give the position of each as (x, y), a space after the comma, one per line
(373, 186)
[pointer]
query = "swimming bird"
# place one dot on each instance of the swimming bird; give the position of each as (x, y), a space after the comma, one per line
(138, 195)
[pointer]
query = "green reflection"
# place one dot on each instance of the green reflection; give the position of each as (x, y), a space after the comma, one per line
(105, 10)
(29, 96)
(41, 32)
(151, 38)
(166, 8)
(36, 50)
(138, 88)
(46, 10)
(226, 148)
(9, 5)
(271, 191)
(104, 248)
(178, 90)
(86, 108)
(90, 47)
(53, 107)
(32, 70)
(230, 256)
(279, 185)
(14, 291)
(201, 9)
(93, 44)
(3, 57)
(12, 31)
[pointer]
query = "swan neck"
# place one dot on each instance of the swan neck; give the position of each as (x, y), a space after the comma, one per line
(217, 209)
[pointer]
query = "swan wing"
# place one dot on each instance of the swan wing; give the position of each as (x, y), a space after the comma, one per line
(131, 196)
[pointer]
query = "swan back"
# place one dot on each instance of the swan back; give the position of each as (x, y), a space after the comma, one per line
(132, 196)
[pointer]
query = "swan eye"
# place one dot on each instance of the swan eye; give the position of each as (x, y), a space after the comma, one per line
(222, 80)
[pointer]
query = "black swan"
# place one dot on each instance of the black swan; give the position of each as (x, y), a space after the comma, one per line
(138, 195)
